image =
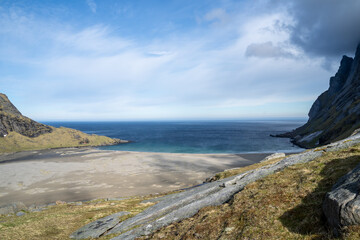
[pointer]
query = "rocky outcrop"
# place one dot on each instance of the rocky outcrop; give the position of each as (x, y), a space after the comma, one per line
(97, 228)
(336, 113)
(178, 206)
(342, 204)
(11, 120)
(12, 208)
(273, 156)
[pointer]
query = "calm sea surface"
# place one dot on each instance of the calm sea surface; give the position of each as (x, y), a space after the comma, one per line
(194, 136)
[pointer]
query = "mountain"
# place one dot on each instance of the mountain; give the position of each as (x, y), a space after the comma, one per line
(335, 114)
(20, 133)
(11, 120)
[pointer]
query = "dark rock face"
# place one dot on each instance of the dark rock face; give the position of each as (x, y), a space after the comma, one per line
(7, 106)
(342, 205)
(336, 112)
(11, 120)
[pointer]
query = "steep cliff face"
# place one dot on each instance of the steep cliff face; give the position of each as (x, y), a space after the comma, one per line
(336, 112)
(11, 120)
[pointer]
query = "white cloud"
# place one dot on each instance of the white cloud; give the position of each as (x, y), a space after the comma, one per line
(266, 50)
(216, 15)
(96, 73)
(92, 5)
(92, 40)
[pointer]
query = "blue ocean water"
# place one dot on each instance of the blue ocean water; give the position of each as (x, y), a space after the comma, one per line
(194, 136)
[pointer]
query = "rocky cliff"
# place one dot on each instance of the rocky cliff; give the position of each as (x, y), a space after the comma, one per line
(20, 133)
(11, 120)
(336, 112)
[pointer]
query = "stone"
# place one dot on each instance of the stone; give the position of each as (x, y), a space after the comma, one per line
(99, 227)
(19, 214)
(35, 208)
(273, 156)
(117, 199)
(12, 208)
(341, 205)
(229, 230)
(8, 209)
(59, 202)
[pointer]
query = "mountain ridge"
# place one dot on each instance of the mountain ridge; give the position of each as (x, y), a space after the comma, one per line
(11, 120)
(335, 114)
(20, 133)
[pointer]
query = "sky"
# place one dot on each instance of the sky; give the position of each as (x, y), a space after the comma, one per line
(113, 60)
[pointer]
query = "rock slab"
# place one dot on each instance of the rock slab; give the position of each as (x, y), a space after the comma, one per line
(99, 227)
(341, 205)
(178, 206)
(273, 156)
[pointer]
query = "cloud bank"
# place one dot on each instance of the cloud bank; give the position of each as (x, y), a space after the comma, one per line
(326, 28)
(228, 60)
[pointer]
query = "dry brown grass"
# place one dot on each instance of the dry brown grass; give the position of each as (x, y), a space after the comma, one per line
(59, 138)
(59, 221)
(285, 205)
(236, 171)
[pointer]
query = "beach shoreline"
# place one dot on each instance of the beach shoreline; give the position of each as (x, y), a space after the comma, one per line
(80, 174)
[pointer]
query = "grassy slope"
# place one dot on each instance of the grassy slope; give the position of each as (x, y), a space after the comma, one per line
(236, 171)
(285, 205)
(59, 221)
(60, 137)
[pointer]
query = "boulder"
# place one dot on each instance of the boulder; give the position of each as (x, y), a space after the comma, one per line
(21, 213)
(12, 208)
(341, 205)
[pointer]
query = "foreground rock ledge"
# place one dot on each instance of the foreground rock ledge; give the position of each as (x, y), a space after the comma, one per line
(186, 204)
(342, 204)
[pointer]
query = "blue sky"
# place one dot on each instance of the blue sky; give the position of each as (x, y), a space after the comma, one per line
(168, 60)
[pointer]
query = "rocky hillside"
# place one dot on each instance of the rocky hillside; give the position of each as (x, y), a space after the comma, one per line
(336, 112)
(20, 133)
(11, 120)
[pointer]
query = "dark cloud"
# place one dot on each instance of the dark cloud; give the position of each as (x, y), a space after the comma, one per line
(265, 50)
(326, 28)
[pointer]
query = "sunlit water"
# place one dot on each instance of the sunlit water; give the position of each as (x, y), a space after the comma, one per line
(194, 136)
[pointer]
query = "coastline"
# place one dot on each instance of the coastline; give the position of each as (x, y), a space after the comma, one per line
(79, 174)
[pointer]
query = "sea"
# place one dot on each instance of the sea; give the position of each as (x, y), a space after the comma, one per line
(240, 136)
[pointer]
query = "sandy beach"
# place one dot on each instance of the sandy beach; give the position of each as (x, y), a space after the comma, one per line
(40, 177)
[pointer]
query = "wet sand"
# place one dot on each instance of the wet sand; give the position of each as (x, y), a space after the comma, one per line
(40, 177)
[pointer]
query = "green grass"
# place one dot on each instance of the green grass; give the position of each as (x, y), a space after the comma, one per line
(58, 138)
(235, 171)
(284, 205)
(59, 221)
